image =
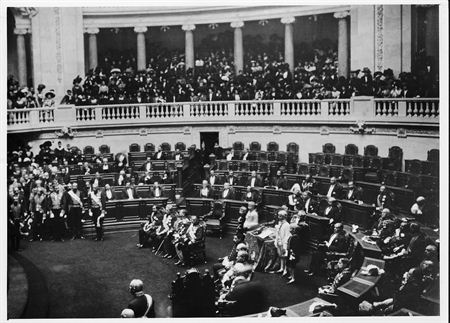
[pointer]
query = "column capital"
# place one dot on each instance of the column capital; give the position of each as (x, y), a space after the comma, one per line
(92, 30)
(288, 20)
(188, 27)
(140, 29)
(21, 31)
(237, 24)
(341, 14)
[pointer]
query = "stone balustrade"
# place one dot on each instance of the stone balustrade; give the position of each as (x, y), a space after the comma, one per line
(395, 111)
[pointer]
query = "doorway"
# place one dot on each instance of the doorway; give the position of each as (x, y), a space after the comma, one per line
(209, 139)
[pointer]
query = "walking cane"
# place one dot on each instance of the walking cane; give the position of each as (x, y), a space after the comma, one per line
(156, 253)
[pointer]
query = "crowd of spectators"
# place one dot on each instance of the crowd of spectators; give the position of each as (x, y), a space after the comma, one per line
(23, 97)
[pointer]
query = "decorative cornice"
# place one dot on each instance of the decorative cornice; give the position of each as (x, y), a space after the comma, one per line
(92, 30)
(140, 29)
(341, 14)
(237, 24)
(288, 20)
(188, 27)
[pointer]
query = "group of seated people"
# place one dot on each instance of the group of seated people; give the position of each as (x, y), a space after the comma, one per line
(172, 233)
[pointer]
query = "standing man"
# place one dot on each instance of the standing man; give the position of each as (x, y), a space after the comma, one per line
(97, 211)
(74, 208)
(142, 304)
(56, 213)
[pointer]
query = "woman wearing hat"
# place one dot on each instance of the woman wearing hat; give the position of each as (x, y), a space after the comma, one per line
(49, 100)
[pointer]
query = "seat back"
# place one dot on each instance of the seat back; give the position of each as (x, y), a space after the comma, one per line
(238, 145)
(292, 147)
(165, 146)
(413, 166)
(104, 149)
(351, 149)
(371, 151)
(149, 147)
(88, 150)
(328, 148)
(433, 155)
(396, 153)
(134, 148)
(255, 146)
(180, 146)
(272, 146)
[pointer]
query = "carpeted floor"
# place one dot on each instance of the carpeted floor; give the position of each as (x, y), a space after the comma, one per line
(89, 279)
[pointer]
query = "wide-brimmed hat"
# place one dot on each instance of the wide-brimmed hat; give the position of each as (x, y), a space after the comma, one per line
(366, 70)
(50, 94)
(115, 70)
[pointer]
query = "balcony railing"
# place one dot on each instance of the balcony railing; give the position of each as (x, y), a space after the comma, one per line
(401, 111)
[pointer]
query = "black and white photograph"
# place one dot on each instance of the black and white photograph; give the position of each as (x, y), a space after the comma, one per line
(230, 159)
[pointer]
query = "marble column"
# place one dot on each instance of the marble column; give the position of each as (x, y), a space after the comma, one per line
(189, 45)
(93, 55)
(238, 46)
(21, 55)
(343, 43)
(289, 41)
(141, 53)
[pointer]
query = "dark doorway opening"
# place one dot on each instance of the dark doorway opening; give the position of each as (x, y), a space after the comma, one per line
(207, 141)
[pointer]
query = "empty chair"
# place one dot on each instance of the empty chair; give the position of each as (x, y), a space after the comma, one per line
(347, 160)
(414, 166)
(347, 175)
(281, 157)
(371, 151)
(357, 161)
(255, 146)
(88, 150)
(303, 169)
(263, 156)
(238, 145)
(292, 147)
(253, 166)
(324, 171)
(351, 149)
(271, 156)
(313, 169)
(180, 146)
(165, 146)
(272, 146)
(328, 148)
(311, 158)
(395, 152)
(336, 160)
(214, 220)
(134, 148)
(149, 147)
(319, 159)
(389, 178)
(104, 149)
(433, 155)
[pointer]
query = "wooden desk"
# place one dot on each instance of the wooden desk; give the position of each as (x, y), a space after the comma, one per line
(141, 207)
(297, 310)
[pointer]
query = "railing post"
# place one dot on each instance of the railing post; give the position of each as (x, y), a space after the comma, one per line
(277, 108)
(363, 107)
(186, 110)
(143, 111)
(324, 108)
(34, 116)
(402, 108)
(231, 108)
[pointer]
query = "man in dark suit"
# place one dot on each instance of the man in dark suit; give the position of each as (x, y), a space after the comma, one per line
(129, 191)
(74, 208)
(217, 150)
(97, 180)
(147, 166)
(309, 184)
(231, 155)
(155, 178)
(354, 193)
(332, 211)
(205, 190)
(107, 194)
(279, 181)
(146, 179)
(307, 204)
(245, 296)
(247, 155)
(227, 192)
(160, 154)
(385, 199)
(231, 179)
(337, 245)
(142, 304)
(335, 189)
(213, 179)
(250, 195)
(156, 190)
(255, 180)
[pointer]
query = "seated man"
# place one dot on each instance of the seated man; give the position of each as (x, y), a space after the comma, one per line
(129, 191)
(418, 208)
(147, 166)
(354, 193)
(156, 190)
(250, 195)
(205, 190)
(335, 189)
(279, 181)
(307, 204)
(247, 155)
(342, 276)
(255, 180)
(332, 211)
(385, 199)
(213, 178)
(227, 192)
(97, 180)
(309, 185)
(242, 261)
(230, 155)
(226, 262)
(160, 154)
(121, 179)
(195, 237)
(231, 179)
(337, 245)
(251, 218)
